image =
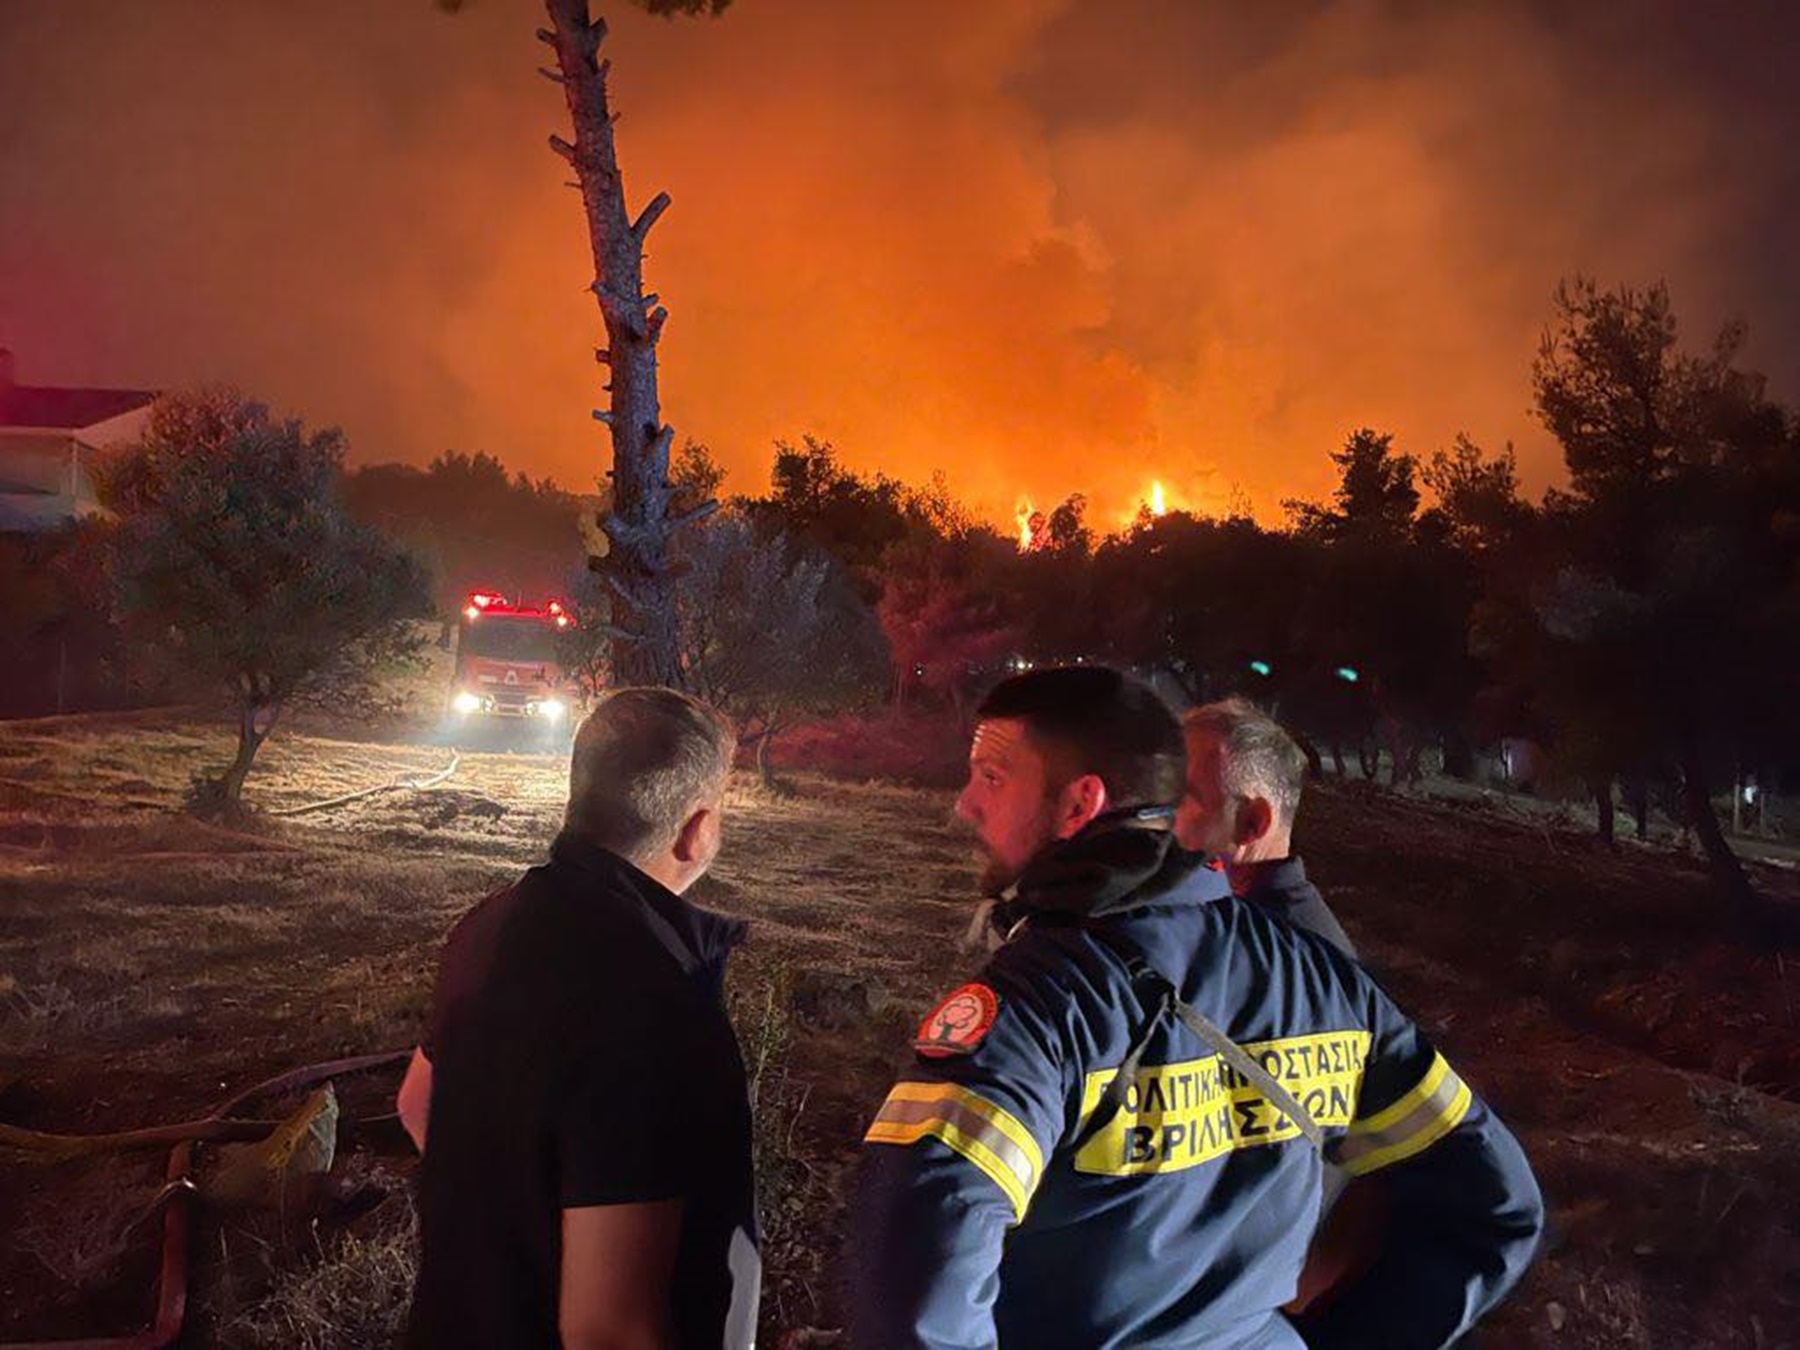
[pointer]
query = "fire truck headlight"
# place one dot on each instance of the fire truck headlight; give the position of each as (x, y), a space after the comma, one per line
(552, 709)
(466, 703)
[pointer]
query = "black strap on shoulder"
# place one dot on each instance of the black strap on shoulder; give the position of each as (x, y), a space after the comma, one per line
(1112, 1100)
(1168, 999)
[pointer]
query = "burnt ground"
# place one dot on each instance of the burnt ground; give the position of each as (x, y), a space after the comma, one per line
(150, 965)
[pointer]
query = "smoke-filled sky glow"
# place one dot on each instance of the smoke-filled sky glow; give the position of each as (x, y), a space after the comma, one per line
(1048, 246)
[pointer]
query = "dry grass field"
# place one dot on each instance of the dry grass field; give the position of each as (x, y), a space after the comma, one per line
(151, 964)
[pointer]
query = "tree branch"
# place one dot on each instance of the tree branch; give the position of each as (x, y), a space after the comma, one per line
(552, 76)
(562, 147)
(700, 512)
(649, 216)
(624, 592)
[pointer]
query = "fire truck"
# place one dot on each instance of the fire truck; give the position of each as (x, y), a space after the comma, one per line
(507, 664)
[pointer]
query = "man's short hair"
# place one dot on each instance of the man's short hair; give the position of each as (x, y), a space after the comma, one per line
(1094, 719)
(1257, 757)
(643, 760)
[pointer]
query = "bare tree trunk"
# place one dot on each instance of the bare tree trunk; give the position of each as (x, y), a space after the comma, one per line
(959, 706)
(1388, 736)
(639, 527)
(1748, 908)
(1458, 757)
(255, 722)
(765, 771)
(1602, 790)
(1637, 795)
(1315, 762)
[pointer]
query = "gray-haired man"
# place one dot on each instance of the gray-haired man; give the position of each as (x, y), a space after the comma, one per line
(1244, 779)
(588, 1181)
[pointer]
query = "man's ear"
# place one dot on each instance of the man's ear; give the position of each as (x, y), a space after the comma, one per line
(1254, 820)
(1081, 800)
(690, 845)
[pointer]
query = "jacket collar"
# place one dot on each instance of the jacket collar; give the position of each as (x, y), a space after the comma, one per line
(1281, 879)
(1118, 862)
(698, 939)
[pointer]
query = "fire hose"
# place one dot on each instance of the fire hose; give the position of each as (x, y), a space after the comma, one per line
(392, 785)
(176, 1196)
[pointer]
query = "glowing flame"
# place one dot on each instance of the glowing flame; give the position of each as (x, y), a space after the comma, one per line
(1151, 506)
(1031, 525)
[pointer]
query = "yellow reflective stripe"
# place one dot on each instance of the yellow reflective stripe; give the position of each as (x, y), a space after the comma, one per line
(1388, 1115)
(1414, 1123)
(970, 1125)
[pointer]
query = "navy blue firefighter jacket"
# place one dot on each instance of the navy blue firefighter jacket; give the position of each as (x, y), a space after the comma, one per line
(1006, 1198)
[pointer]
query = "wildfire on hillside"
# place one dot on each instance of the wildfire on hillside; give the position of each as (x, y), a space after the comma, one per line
(1032, 530)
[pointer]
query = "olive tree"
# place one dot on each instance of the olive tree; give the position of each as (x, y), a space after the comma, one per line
(235, 559)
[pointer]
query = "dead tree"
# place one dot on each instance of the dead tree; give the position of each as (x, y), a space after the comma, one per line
(639, 525)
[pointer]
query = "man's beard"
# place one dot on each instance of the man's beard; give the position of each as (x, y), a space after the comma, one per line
(996, 877)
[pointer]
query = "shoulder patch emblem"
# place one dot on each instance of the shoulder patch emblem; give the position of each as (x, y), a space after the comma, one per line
(957, 1024)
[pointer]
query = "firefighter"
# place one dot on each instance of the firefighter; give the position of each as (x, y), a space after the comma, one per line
(1114, 1135)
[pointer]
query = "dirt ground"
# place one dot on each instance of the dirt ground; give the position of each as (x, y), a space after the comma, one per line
(150, 965)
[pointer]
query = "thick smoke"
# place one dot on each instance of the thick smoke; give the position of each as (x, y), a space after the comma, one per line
(1048, 247)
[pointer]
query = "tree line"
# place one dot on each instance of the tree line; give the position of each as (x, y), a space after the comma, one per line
(1640, 623)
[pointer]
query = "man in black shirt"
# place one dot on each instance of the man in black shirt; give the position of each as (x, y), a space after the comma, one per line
(588, 1176)
(1244, 778)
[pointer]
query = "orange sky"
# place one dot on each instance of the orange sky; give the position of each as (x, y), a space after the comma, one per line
(1043, 245)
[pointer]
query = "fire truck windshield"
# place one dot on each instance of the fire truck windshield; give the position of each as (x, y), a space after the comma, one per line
(502, 637)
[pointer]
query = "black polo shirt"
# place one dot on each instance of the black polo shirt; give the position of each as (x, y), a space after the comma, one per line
(581, 1056)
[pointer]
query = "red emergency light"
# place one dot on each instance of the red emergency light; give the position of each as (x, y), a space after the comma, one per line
(492, 602)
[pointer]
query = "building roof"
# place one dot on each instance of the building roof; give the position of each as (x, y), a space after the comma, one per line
(27, 405)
